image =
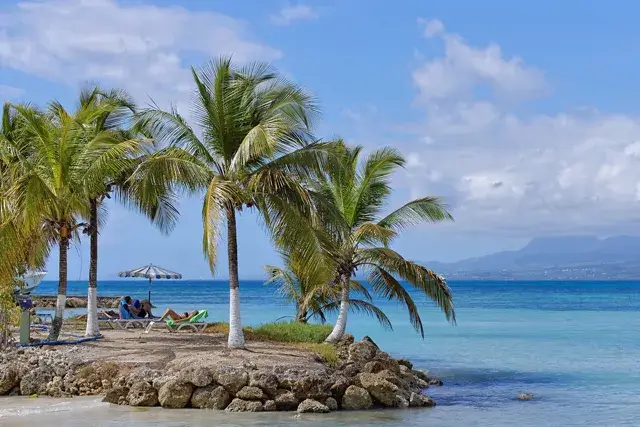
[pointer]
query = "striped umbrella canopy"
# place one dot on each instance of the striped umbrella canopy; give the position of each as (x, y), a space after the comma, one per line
(151, 272)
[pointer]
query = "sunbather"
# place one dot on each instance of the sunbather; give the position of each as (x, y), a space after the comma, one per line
(184, 317)
(138, 309)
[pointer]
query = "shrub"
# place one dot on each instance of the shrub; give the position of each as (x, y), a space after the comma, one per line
(292, 332)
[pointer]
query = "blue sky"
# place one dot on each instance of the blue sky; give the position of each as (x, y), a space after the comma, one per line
(524, 116)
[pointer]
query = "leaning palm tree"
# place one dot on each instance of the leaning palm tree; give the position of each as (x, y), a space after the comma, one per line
(308, 287)
(110, 162)
(251, 150)
(360, 238)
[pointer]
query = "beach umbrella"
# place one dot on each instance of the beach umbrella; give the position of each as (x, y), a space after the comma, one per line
(151, 272)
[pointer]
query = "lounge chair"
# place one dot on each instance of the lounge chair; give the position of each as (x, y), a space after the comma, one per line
(196, 323)
(128, 319)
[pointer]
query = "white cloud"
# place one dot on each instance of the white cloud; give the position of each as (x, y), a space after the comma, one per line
(10, 92)
(537, 174)
(510, 173)
(142, 47)
(432, 27)
(464, 67)
(292, 13)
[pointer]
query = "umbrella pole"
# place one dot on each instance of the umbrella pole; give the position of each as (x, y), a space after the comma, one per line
(149, 290)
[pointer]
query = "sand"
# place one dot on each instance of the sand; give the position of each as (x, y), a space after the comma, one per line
(159, 347)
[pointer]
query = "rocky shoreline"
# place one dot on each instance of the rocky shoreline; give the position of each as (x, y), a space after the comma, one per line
(49, 301)
(366, 378)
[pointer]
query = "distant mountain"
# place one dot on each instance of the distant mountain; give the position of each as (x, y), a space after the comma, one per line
(565, 257)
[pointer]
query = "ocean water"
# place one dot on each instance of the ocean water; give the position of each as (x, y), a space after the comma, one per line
(574, 345)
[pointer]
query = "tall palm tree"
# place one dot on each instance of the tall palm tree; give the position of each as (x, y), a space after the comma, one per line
(110, 164)
(21, 248)
(360, 238)
(251, 149)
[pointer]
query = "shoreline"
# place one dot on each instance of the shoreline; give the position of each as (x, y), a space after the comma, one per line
(196, 370)
(49, 301)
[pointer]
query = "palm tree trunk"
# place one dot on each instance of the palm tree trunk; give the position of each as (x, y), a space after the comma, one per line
(236, 336)
(93, 329)
(341, 322)
(56, 325)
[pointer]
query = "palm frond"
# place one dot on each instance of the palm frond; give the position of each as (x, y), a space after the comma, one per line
(426, 209)
(423, 279)
(362, 307)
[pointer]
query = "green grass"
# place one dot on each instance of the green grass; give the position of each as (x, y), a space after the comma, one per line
(326, 351)
(291, 332)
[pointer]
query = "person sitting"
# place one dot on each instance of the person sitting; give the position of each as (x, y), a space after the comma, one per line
(135, 309)
(143, 308)
(178, 317)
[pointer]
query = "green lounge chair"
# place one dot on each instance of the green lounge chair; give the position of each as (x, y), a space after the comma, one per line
(196, 323)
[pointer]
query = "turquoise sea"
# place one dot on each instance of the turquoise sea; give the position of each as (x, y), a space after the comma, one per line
(574, 345)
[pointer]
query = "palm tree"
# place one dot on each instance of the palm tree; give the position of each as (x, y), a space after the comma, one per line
(360, 238)
(251, 150)
(49, 182)
(110, 164)
(309, 288)
(20, 247)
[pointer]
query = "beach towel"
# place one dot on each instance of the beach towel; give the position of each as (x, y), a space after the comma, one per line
(124, 311)
(202, 314)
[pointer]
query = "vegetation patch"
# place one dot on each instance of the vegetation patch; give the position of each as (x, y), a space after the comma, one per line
(327, 352)
(291, 332)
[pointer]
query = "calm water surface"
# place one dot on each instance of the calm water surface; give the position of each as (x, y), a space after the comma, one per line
(575, 346)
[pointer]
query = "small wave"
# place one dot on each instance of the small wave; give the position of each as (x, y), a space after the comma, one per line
(18, 407)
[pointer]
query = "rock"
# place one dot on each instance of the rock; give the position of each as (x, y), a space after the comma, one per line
(436, 382)
(350, 370)
(420, 400)
(405, 362)
(175, 394)
(362, 351)
(55, 388)
(75, 303)
(160, 381)
(388, 362)
(402, 402)
(421, 374)
(117, 395)
(356, 398)
(266, 381)
(312, 406)
(525, 396)
(286, 401)
(340, 384)
(380, 389)
(307, 384)
(331, 403)
(142, 394)
(392, 378)
(342, 346)
(239, 405)
(199, 376)
(368, 339)
(210, 397)
(373, 367)
(8, 378)
(35, 381)
(420, 383)
(232, 379)
(269, 406)
(251, 393)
